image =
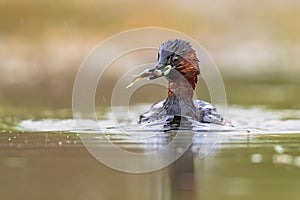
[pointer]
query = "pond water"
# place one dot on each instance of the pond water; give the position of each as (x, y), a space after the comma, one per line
(258, 159)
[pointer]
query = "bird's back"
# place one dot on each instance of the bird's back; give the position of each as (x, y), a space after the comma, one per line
(208, 113)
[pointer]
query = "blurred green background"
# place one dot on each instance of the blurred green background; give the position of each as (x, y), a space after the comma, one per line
(256, 44)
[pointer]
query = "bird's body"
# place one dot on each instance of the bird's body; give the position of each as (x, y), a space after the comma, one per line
(177, 61)
(205, 113)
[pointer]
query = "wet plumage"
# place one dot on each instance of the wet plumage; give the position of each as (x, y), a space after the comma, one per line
(178, 63)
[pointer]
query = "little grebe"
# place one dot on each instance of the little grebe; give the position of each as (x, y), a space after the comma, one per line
(177, 61)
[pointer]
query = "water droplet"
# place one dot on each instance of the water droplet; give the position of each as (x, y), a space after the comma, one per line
(279, 149)
(256, 158)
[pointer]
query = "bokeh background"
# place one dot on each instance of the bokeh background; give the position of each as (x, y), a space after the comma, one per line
(255, 44)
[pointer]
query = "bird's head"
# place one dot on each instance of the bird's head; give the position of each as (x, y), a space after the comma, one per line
(176, 59)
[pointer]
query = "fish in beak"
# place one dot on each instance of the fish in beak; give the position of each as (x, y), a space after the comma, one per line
(152, 73)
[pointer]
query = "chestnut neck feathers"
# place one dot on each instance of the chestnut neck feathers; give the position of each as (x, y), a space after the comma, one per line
(185, 84)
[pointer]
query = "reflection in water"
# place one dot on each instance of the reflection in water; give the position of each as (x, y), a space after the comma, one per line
(177, 180)
(55, 165)
(183, 180)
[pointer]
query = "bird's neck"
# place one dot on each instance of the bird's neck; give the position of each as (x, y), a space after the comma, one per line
(181, 89)
(183, 83)
(180, 98)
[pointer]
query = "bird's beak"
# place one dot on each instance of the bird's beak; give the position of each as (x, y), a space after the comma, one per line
(158, 70)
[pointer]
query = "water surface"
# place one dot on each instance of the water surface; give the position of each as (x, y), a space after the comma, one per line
(260, 159)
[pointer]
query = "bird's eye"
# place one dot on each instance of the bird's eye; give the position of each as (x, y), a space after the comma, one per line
(175, 58)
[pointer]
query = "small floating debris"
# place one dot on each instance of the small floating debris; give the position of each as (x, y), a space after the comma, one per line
(297, 161)
(282, 159)
(256, 158)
